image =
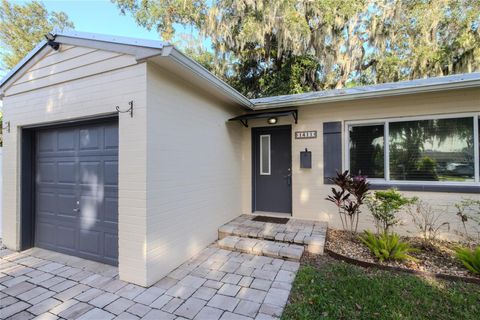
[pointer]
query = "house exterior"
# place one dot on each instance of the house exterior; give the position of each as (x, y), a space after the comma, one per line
(121, 150)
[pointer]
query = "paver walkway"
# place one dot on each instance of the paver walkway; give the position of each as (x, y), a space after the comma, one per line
(216, 284)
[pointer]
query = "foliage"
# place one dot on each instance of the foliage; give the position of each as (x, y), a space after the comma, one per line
(336, 290)
(23, 26)
(349, 198)
(469, 210)
(427, 220)
(470, 258)
(324, 43)
(410, 140)
(387, 246)
(427, 169)
(384, 207)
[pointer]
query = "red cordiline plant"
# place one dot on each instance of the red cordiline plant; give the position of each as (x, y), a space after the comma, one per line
(349, 198)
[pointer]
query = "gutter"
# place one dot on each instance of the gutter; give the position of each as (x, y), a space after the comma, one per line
(367, 95)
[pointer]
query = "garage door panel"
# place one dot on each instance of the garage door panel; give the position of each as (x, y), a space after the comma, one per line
(90, 209)
(110, 169)
(67, 237)
(90, 172)
(66, 139)
(67, 172)
(46, 142)
(111, 137)
(89, 139)
(46, 172)
(78, 164)
(46, 203)
(67, 203)
(111, 245)
(111, 210)
(90, 242)
(45, 234)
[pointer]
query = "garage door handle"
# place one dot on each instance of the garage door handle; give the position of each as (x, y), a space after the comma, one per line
(77, 209)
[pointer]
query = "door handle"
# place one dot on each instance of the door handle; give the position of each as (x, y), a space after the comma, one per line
(289, 178)
(77, 208)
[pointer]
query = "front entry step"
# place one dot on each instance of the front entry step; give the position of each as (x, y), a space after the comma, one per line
(261, 247)
(312, 234)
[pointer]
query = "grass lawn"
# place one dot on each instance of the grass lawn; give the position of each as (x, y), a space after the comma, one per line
(336, 290)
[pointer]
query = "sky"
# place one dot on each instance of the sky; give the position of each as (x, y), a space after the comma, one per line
(99, 16)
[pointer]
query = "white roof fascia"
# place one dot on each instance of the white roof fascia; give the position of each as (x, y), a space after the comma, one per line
(343, 94)
(138, 52)
(156, 44)
(200, 71)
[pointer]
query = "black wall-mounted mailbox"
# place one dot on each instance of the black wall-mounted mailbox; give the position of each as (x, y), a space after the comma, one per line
(306, 159)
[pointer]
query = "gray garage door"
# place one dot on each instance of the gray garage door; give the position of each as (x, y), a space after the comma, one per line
(76, 190)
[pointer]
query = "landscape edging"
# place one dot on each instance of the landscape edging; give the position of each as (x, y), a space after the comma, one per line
(366, 264)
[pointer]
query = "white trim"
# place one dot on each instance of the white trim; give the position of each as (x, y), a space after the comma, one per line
(386, 122)
(262, 172)
(476, 146)
(412, 118)
(386, 151)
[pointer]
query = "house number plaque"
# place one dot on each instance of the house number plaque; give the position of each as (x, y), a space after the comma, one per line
(306, 134)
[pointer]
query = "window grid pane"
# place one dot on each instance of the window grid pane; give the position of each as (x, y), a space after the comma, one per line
(265, 154)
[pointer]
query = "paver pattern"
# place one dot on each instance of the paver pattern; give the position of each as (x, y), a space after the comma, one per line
(296, 231)
(216, 284)
(260, 247)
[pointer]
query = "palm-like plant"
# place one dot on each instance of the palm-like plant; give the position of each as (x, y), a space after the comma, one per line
(387, 246)
(470, 258)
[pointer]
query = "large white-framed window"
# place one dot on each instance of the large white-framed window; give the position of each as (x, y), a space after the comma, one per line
(428, 150)
(265, 155)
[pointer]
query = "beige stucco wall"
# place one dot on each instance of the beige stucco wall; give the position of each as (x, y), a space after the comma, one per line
(76, 83)
(194, 170)
(309, 191)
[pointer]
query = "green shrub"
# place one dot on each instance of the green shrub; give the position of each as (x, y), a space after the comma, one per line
(470, 258)
(387, 246)
(384, 207)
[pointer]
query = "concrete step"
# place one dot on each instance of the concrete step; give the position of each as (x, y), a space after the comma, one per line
(273, 249)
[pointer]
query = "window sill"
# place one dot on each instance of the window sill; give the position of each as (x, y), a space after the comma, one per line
(426, 187)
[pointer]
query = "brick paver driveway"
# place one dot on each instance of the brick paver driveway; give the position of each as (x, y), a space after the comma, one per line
(217, 284)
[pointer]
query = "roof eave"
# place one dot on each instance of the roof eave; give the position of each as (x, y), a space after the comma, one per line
(369, 95)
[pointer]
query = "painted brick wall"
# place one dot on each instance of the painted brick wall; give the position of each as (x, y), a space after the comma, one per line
(194, 170)
(90, 86)
(309, 192)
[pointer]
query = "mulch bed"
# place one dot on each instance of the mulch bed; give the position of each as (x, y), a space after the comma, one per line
(438, 259)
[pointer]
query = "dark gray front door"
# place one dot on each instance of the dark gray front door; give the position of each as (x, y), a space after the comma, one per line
(272, 165)
(76, 190)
